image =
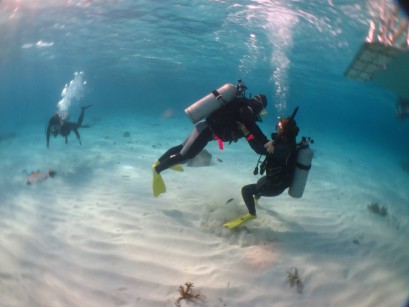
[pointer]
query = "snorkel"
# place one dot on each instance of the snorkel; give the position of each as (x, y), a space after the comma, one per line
(294, 113)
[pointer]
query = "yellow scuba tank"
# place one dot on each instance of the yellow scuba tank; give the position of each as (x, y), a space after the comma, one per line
(213, 101)
(302, 168)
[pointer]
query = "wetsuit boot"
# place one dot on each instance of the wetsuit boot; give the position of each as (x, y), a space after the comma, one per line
(170, 162)
(158, 185)
(173, 151)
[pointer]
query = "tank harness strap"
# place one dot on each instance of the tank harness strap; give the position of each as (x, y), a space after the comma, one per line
(219, 97)
(303, 167)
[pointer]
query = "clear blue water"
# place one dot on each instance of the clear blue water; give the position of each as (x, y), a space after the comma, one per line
(146, 57)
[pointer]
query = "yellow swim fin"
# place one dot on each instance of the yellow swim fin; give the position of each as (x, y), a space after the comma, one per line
(158, 185)
(177, 167)
(239, 220)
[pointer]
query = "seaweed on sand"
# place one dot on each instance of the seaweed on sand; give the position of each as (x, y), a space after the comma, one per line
(187, 293)
(380, 210)
(295, 279)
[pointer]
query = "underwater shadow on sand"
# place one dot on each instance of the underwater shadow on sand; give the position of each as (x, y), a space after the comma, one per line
(79, 176)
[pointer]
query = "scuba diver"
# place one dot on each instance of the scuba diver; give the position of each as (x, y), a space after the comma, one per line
(223, 125)
(58, 125)
(279, 166)
(37, 176)
(402, 108)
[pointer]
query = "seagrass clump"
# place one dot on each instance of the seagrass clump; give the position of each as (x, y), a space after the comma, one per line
(377, 209)
(294, 279)
(186, 292)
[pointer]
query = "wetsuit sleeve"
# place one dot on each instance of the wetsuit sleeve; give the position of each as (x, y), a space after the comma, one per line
(257, 146)
(281, 151)
(252, 127)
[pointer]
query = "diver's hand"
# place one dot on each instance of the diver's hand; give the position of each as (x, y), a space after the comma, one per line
(269, 147)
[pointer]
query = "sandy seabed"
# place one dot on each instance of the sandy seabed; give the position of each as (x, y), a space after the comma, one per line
(95, 236)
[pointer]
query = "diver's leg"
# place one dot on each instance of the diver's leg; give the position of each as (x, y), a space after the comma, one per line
(169, 162)
(266, 189)
(253, 192)
(77, 135)
(169, 159)
(170, 152)
(81, 117)
(198, 139)
(247, 192)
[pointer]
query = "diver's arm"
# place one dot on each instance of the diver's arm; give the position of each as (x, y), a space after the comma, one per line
(255, 130)
(48, 133)
(256, 146)
(259, 136)
(280, 152)
(253, 142)
(252, 127)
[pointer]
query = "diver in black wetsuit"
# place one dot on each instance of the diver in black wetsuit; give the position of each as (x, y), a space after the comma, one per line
(222, 125)
(57, 125)
(278, 165)
(402, 108)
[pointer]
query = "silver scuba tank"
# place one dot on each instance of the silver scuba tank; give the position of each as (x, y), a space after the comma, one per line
(302, 168)
(210, 103)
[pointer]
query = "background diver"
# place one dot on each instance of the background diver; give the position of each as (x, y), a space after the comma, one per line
(279, 166)
(402, 108)
(223, 125)
(58, 125)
